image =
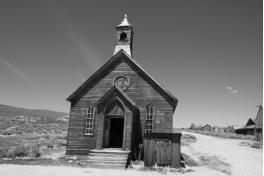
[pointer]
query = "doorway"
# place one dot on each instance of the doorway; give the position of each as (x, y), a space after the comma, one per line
(113, 131)
(116, 132)
(114, 126)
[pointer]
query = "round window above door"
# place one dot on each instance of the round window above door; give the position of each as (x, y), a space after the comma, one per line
(121, 82)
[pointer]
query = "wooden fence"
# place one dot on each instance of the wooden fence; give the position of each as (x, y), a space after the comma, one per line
(163, 149)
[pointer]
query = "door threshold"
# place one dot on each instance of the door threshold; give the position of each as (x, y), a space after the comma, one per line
(114, 150)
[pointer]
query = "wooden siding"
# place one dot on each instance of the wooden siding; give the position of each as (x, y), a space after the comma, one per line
(140, 91)
(162, 149)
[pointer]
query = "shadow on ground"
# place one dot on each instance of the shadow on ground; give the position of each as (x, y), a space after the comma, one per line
(212, 162)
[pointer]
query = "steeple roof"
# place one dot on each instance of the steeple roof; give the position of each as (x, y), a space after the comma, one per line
(124, 23)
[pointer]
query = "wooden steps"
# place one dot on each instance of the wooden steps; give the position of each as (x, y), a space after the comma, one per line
(108, 158)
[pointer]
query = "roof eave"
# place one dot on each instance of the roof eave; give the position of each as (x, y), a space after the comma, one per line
(121, 95)
(174, 99)
(72, 96)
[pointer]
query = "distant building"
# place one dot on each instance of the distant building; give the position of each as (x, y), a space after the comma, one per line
(206, 128)
(253, 127)
(193, 127)
(200, 128)
(222, 130)
(229, 129)
(216, 129)
(248, 129)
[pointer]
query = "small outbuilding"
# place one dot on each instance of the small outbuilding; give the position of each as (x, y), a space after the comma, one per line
(207, 128)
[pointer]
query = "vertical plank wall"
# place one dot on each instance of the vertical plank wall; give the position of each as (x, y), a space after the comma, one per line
(139, 91)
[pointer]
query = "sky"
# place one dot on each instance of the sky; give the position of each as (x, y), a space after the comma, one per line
(207, 53)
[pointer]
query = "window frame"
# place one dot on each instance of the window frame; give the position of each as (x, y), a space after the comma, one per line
(149, 120)
(125, 87)
(89, 120)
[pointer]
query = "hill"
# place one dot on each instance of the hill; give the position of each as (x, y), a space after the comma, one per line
(11, 111)
(29, 132)
(14, 120)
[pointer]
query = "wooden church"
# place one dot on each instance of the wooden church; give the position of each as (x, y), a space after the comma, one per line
(118, 104)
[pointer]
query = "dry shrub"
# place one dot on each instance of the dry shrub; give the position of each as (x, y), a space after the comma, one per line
(3, 152)
(248, 137)
(7, 133)
(15, 151)
(61, 142)
(33, 150)
(61, 136)
(186, 139)
(52, 141)
(257, 145)
(23, 150)
(188, 136)
(189, 161)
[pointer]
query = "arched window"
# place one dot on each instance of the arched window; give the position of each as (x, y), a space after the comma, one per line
(89, 120)
(149, 119)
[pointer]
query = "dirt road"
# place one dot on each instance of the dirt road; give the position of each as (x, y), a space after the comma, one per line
(223, 155)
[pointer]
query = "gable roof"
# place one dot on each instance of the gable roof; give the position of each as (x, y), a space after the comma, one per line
(104, 70)
(207, 125)
(248, 127)
(250, 122)
(215, 127)
(115, 91)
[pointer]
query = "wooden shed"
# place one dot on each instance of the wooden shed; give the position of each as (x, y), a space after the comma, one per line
(162, 149)
(118, 104)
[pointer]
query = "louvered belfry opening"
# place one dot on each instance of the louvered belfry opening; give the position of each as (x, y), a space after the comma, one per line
(114, 125)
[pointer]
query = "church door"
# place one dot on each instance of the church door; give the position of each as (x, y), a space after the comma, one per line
(114, 125)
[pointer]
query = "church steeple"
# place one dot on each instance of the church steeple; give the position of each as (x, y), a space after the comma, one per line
(124, 37)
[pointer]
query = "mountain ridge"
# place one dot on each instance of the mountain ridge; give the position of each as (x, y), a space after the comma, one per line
(11, 111)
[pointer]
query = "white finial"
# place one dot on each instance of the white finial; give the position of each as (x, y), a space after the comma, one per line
(124, 22)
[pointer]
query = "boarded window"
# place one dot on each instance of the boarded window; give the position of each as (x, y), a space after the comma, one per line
(89, 120)
(149, 119)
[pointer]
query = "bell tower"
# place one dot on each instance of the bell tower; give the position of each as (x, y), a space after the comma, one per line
(124, 37)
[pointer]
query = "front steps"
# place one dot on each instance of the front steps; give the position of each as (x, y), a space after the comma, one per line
(108, 158)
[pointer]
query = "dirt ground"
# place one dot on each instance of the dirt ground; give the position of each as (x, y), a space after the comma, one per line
(207, 156)
(223, 155)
